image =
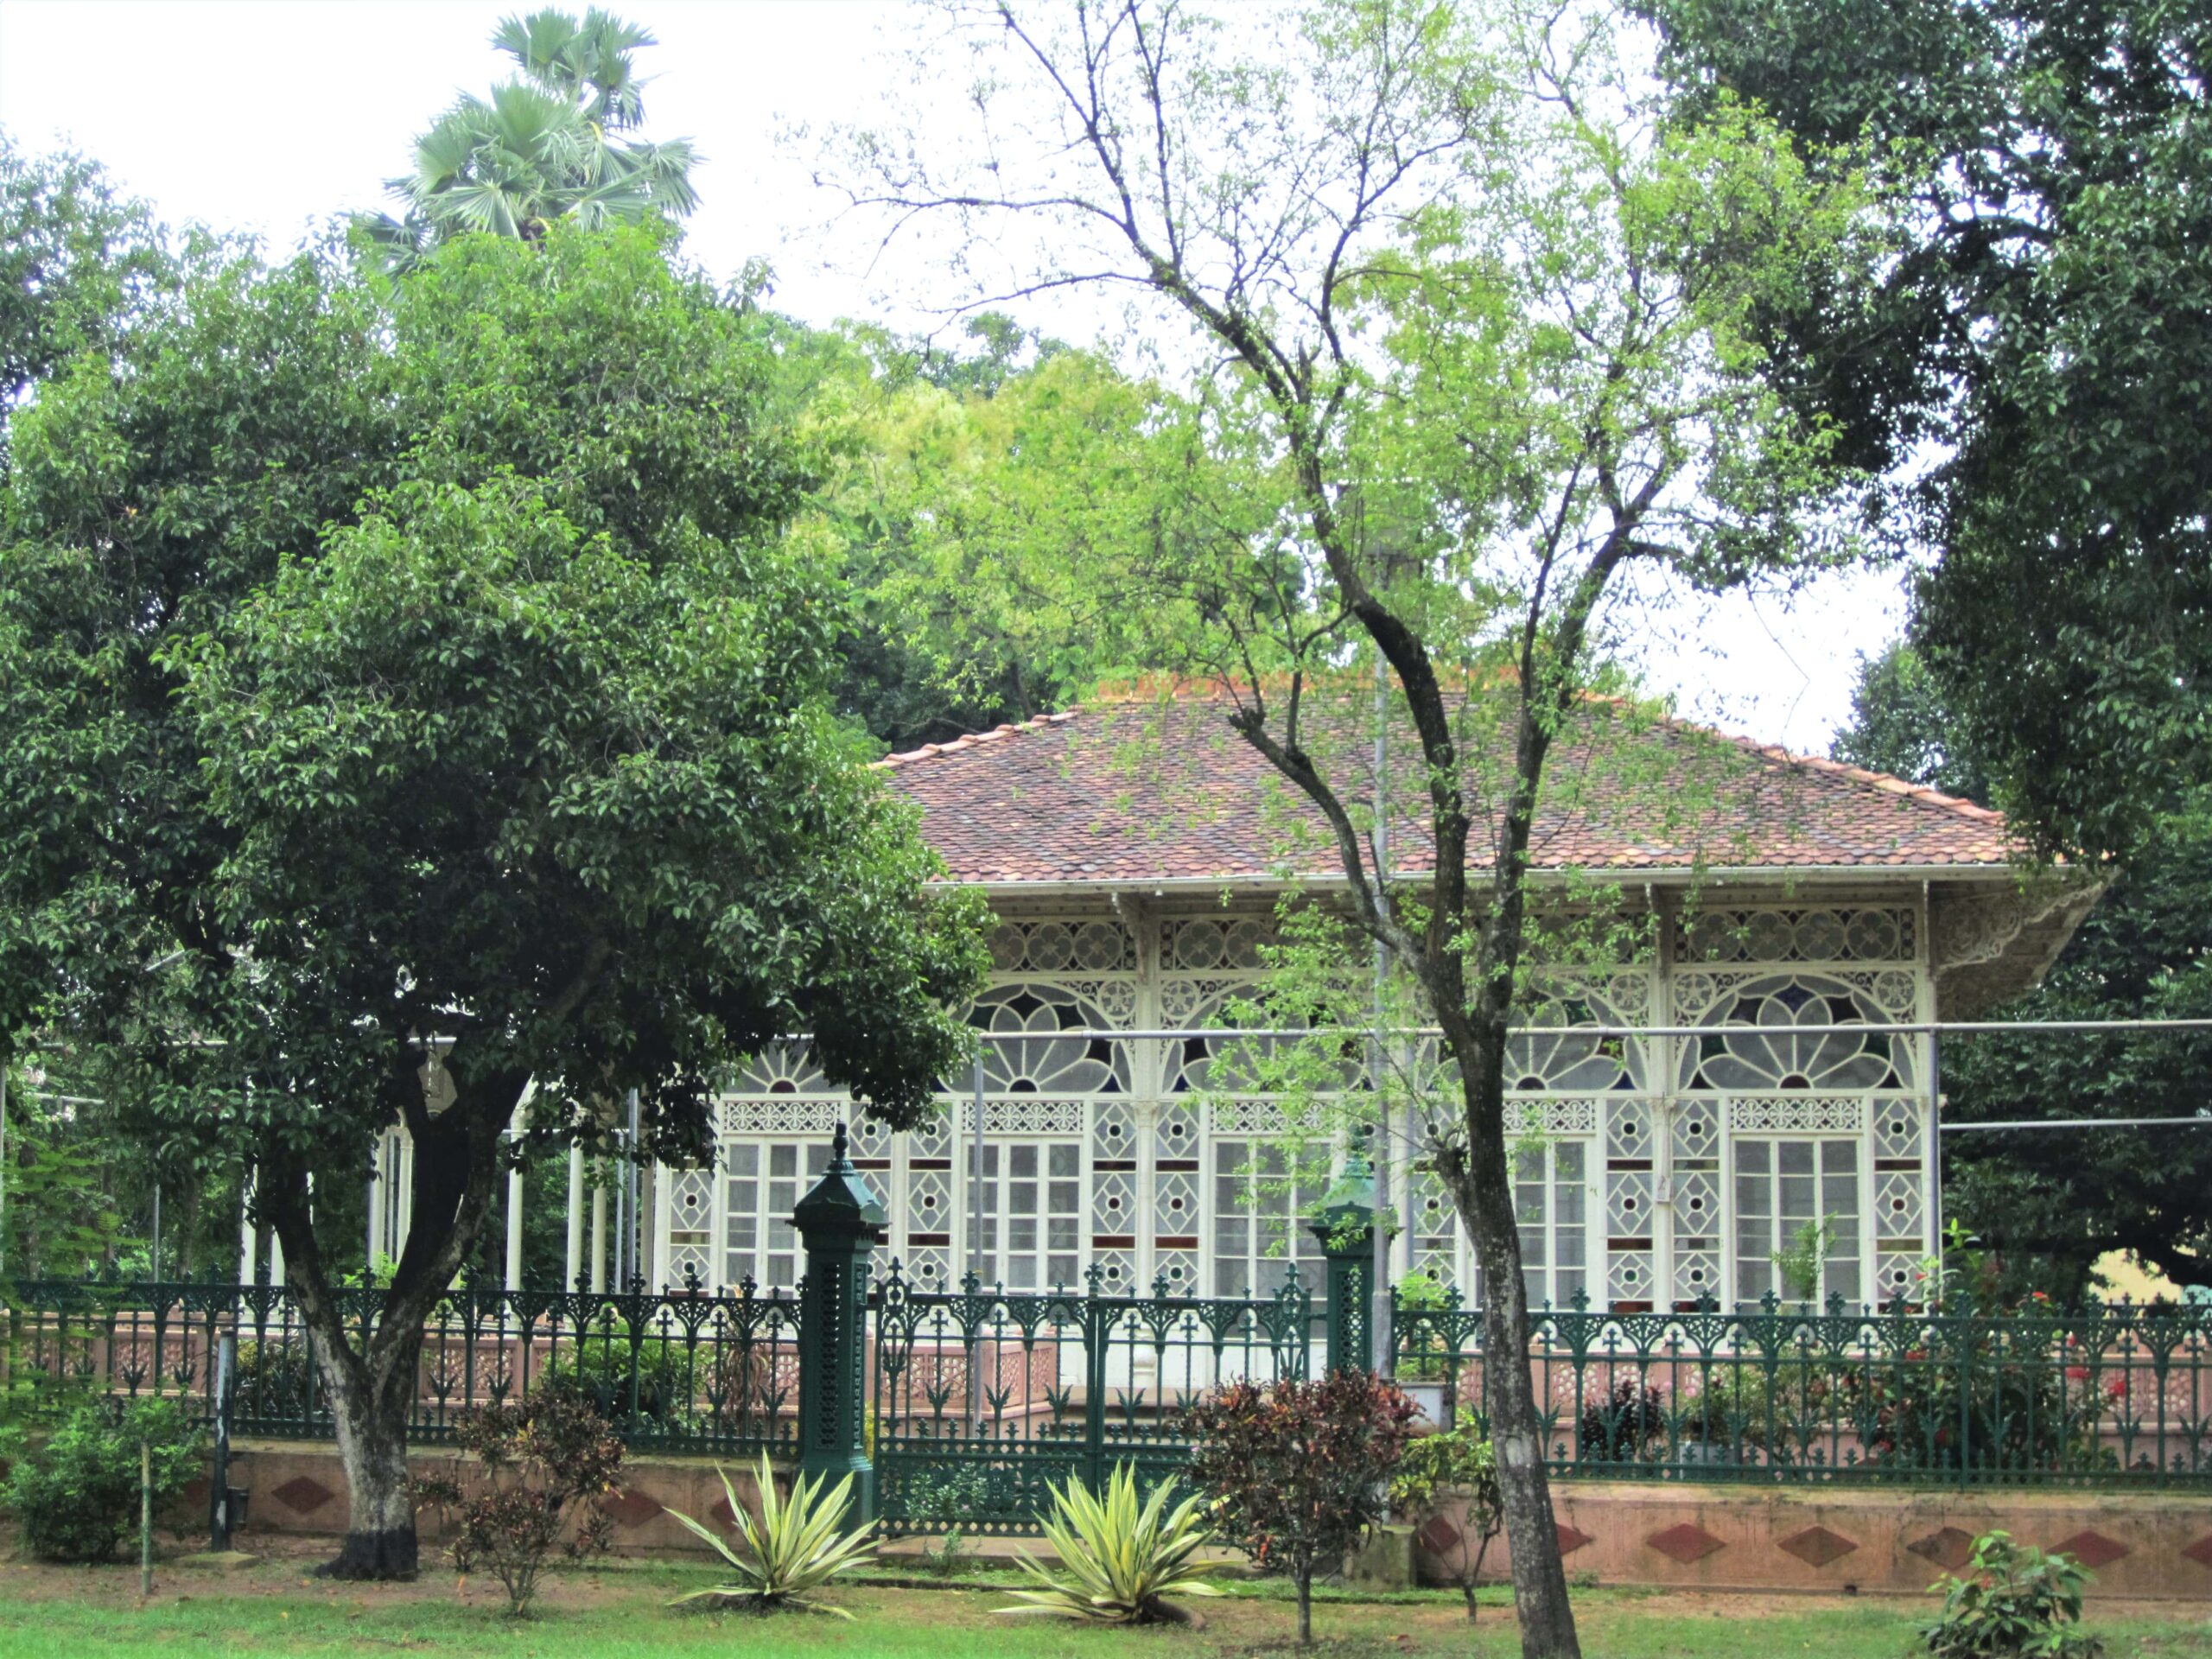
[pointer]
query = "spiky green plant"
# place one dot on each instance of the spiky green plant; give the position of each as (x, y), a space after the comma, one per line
(1123, 1561)
(797, 1546)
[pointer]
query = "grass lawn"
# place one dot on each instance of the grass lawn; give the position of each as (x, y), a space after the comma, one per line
(273, 1609)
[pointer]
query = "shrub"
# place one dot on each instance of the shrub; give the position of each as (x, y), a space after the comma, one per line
(602, 1356)
(2012, 1599)
(1621, 1425)
(947, 1503)
(1298, 1470)
(544, 1459)
(797, 1546)
(1424, 1356)
(1440, 1465)
(1124, 1560)
(77, 1495)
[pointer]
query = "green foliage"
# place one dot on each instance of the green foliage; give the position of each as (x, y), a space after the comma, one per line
(440, 657)
(77, 1495)
(2049, 1204)
(2044, 323)
(1298, 1472)
(2012, 1599)
(544, 1462)
(1125, 1561)
(1797, 1264)
(78, 265)
(1460, 1463)
(798, 1545)
(541, 148)
(946, 1502)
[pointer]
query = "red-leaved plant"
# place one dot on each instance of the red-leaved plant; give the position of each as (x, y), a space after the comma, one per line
(544, 1458)
(1298, 1471)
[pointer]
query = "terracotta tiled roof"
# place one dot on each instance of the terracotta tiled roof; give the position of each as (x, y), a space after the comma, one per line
(1164, 790)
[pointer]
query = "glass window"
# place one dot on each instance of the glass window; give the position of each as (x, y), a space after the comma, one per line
(1032, 1214)
(1259, 1226)
(1551, 1202)
(760, 1186)
(1785, 1189)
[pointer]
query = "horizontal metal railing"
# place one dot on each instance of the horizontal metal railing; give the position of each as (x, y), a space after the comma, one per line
(677, 1368)
(2115, 1395)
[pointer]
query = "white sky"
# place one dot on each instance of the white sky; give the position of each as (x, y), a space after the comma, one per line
(271, 114)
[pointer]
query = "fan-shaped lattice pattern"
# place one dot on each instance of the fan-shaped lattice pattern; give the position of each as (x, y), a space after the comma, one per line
(1039, 1061)
(1779, 1036)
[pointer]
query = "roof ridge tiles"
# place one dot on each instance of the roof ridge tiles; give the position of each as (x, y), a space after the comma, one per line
(972, 740)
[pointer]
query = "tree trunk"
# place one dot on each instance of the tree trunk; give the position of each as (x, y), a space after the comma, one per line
(1306, 1609)
(371, 1419)
(1540, 1599)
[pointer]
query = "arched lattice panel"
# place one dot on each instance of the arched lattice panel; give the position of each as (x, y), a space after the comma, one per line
(1777, 1033)
(1035, 1058)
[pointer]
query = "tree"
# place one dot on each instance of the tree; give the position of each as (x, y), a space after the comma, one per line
(540, 149)
(2029, 368)
(77, 263)
(2049, 1202)
(1471, 344)
(1300, 1471)
(418, 714)
(1901, 725)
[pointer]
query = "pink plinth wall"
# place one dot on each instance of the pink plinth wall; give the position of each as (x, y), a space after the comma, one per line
(1875, 1541)
(1885, 1542)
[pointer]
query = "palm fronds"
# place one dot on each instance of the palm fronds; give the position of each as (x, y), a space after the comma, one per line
(797, 1547)
(1124, 1560)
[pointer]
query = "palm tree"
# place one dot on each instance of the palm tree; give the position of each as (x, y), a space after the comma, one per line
(541, 148)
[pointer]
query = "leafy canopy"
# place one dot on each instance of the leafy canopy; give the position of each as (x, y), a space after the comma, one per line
(445, 665)
(2028, 369)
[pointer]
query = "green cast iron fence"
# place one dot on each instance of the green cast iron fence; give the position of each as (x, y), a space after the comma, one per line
(2112, 1395)
(678, 1370)
(982, 1396)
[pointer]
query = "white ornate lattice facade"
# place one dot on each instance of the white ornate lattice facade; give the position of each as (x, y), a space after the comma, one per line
(1652, 1171)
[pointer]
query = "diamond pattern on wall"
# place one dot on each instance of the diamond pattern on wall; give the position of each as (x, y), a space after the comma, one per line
(303, 1494)
(1817, 1546)
(1949, 1549)
(1685, 1543)
(2092, 1549)
(631, 1509)
(1440, 1536)
(1570, 1538)
(2200, 1551)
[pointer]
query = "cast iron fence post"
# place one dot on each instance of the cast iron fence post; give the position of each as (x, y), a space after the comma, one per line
(1345, 1228)
(838, 1223)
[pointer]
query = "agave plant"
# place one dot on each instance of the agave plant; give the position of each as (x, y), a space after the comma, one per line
(1123, 1561)
(797, 1546)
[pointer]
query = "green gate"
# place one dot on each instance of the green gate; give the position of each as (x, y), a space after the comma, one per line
(981, 1398)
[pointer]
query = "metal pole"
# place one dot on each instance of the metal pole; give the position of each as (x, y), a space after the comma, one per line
(154, 1255)
(145, 1519)
(2199, 1122)
(635, 1263)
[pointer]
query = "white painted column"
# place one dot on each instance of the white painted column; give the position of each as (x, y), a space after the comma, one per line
(514, 1229)
(573, 1261)
(247, 1241)
(599, 1238)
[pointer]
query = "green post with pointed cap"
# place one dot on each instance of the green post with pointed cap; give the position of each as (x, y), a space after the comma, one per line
(1345, 1228)
(838, 1222)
